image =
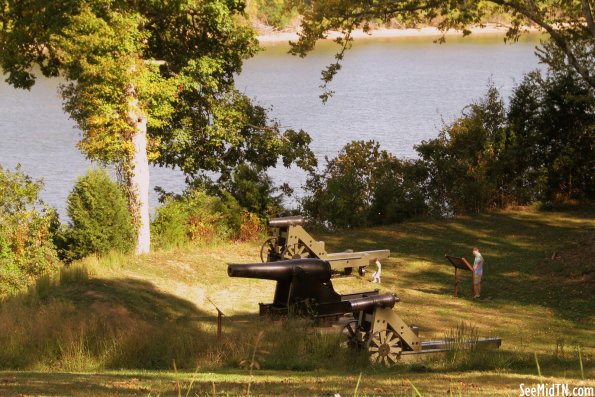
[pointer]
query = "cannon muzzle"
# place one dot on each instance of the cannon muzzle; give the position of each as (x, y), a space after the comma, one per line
(283, 270)
(381, 300)
(286, 221)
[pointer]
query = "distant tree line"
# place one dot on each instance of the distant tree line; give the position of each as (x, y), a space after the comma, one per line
(538, 148)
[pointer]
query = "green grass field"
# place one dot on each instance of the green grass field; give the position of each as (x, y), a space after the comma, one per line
(116, 330)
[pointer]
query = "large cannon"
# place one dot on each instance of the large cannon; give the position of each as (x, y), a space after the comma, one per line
(304, 288)
(289, 240)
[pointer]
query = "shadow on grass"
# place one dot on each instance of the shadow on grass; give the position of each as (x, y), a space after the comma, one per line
(77, 323)
(69, 384)
(496, 370)
(133, 296)
(541, 258)
(73, 322)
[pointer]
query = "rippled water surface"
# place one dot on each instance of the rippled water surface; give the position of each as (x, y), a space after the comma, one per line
(396, 91)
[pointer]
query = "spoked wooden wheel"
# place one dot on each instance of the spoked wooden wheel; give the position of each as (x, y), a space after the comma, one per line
(295, 251)
(267, 248)
(354, 338)
(385, 348)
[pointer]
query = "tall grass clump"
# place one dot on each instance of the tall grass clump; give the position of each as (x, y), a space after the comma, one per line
(73, 322)
(297, 345)
(466, 354)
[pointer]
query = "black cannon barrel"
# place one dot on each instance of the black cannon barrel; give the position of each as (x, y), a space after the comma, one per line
(283, 270)
(287, 221)
(381, 300)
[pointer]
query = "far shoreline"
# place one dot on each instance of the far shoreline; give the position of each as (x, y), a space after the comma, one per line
(492, 29)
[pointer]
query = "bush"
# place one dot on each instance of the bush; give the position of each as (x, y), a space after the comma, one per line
(26, 223)
(254, 190)
(342, 193)
(251, 227)
(100, 220)
(398, 192)
(195, 216)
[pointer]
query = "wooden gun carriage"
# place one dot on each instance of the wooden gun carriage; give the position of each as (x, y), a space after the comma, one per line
(304, 288)
(289, 240)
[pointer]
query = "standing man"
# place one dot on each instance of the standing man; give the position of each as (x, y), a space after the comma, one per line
(477, 272)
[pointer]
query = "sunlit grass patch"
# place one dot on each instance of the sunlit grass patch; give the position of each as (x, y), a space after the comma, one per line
(145, 312)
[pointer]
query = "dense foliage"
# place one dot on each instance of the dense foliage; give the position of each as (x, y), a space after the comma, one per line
(460, 161)
(195, 216)
(174, 62)
(26, 224)
(99, 218)
(273, 13)
(538, 148)
(364, 185)
(149, 69)
(255, 191)
(551, 135)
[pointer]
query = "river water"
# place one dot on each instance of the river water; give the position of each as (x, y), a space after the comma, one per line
(397, 91)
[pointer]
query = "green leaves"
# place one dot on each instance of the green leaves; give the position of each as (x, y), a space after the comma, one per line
(169, 64)
(364, 185)
(539, 148)
(568, 23)
(100, 221)
(175, 61)
(26, 224)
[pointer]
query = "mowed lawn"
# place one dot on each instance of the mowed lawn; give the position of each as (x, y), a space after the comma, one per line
(538, 297)
(284, 383)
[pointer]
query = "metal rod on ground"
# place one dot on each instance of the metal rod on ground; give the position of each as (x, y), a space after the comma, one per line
(219, 319)
(219, 316)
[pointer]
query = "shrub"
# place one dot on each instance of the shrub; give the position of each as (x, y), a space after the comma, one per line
(342, 193)
(254, 190)
(100, 220)
(26, 248)
(195, 216)
(251, 227)
(398, 192)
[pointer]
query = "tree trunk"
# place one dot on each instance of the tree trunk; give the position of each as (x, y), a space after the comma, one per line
(138, 179)
(140, 186)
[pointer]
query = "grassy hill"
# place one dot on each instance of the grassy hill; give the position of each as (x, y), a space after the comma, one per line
(146, 326)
